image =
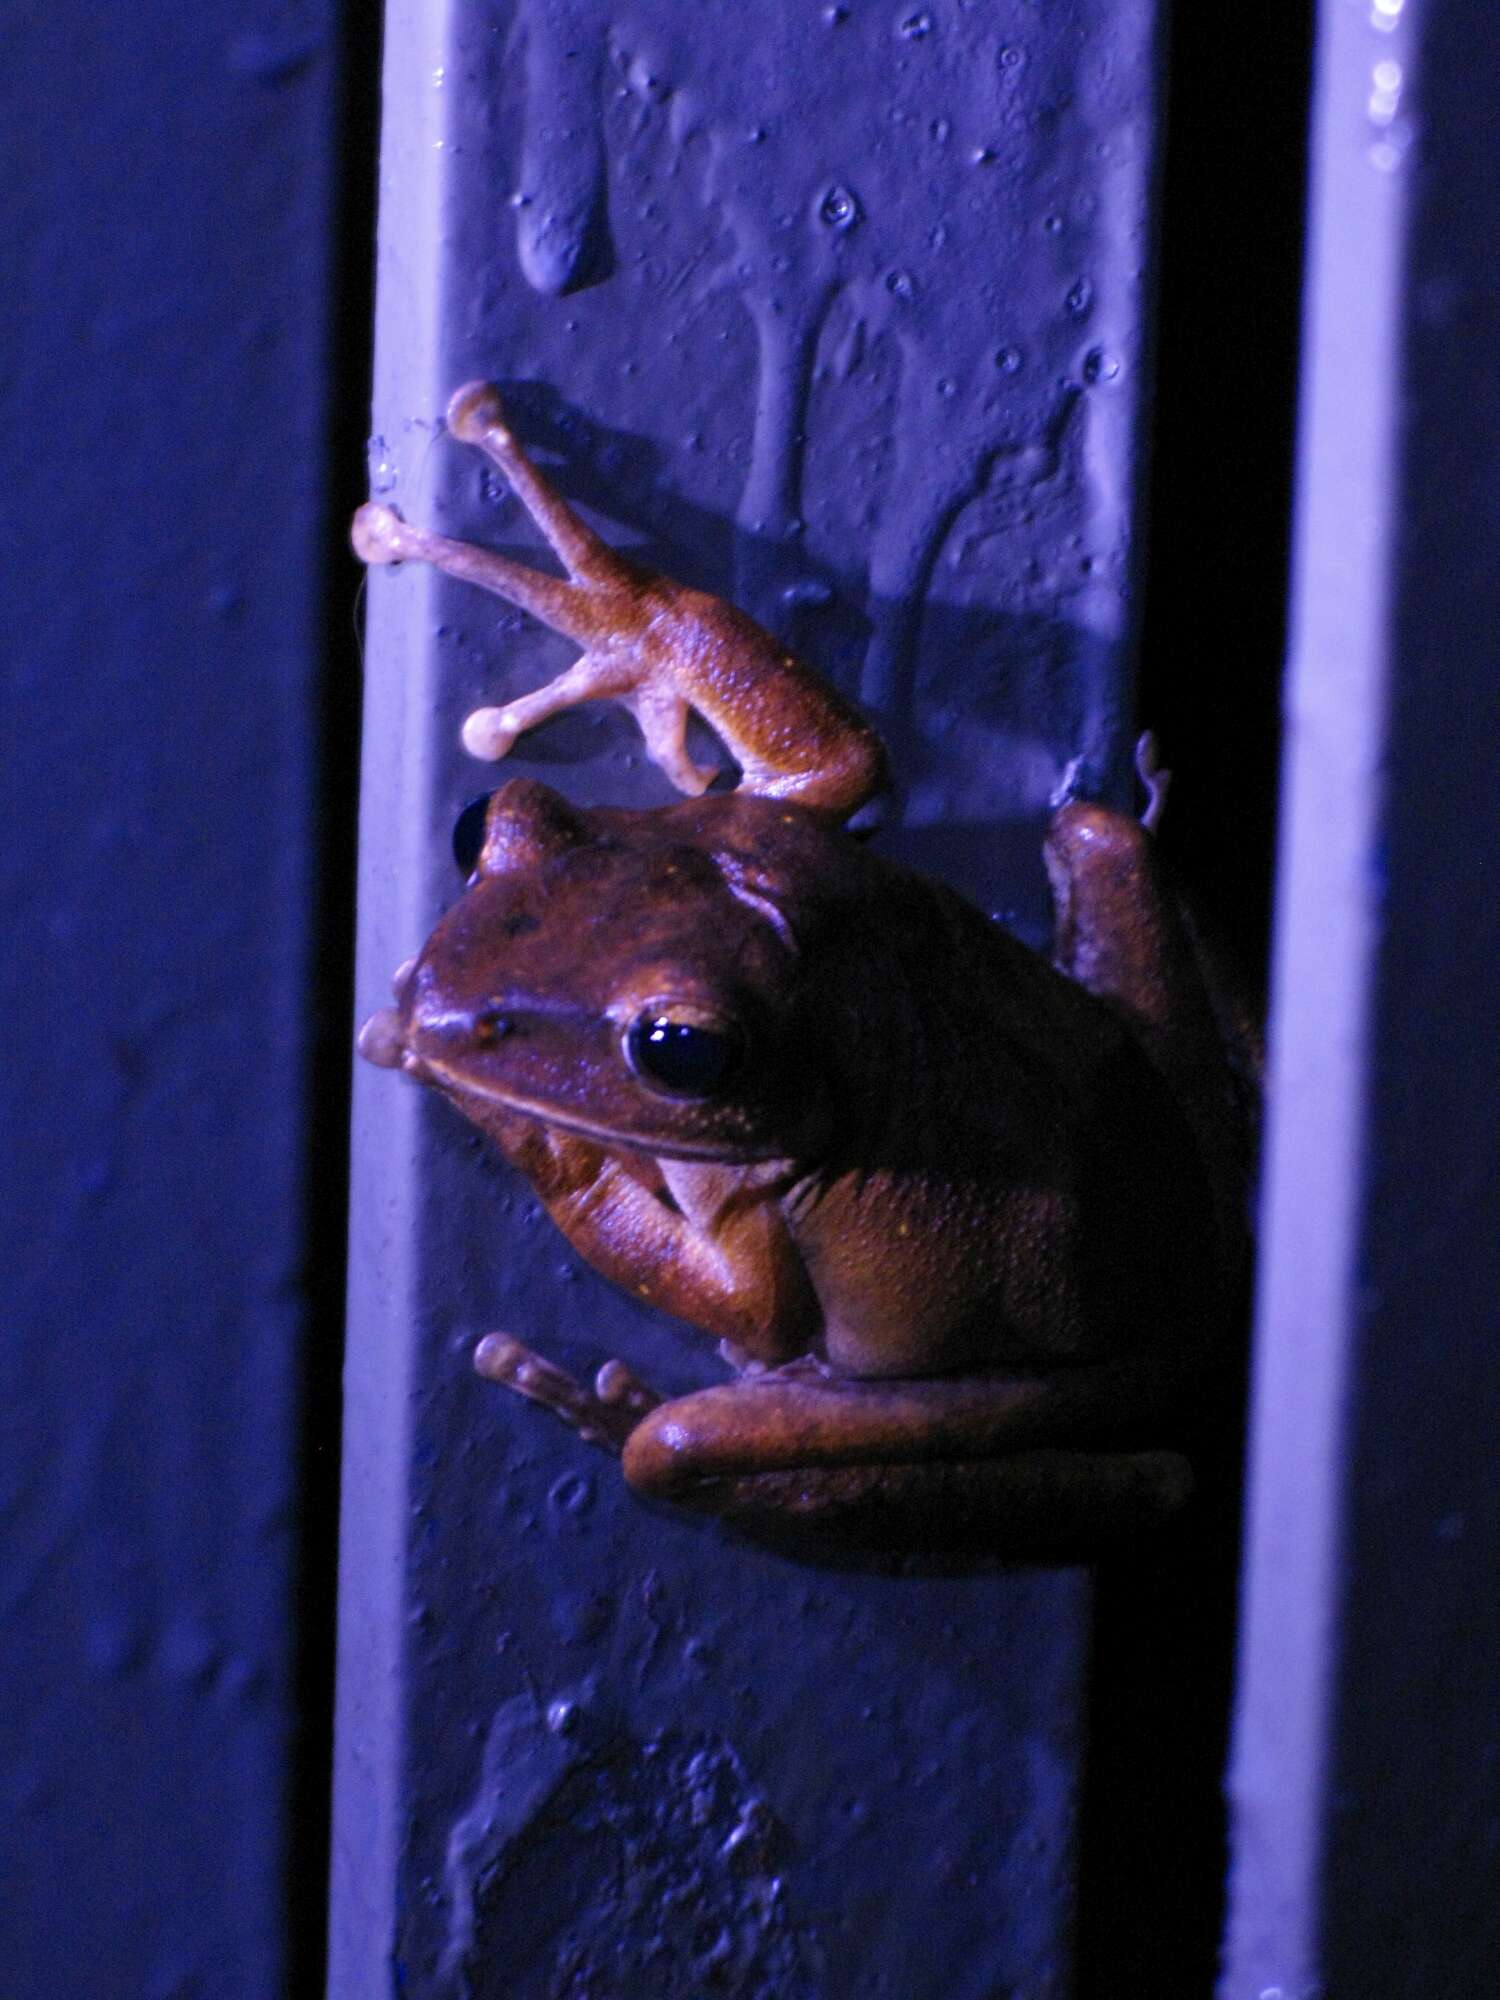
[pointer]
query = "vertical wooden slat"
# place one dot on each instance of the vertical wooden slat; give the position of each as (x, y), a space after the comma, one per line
(838, 312)
(1365, 1780)
(170, 216)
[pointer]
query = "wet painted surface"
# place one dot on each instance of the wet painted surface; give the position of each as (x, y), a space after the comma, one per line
(165, 473)
(836, 312)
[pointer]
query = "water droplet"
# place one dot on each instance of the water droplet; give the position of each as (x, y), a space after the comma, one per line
(839, 208)
(835, 16)
(941, 130)
(756, 136)
(947, 387)
(1100, 366)
(1008, 360)
(913, 27)
(901, 285)
(1012, 56)
(984, 156)
(382, 470)
(644, 81)
(1385, 92)
(1080, 298)
(1053, 225)
(562, 1717)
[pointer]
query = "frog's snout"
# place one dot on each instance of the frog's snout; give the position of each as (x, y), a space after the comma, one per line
(382, 1039)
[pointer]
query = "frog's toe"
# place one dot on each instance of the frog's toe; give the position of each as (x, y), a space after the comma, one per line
(663, 720)
(489, 734)
(381, 1040)
(597, 1419)
(474, 411)
(690, 778)
(379, 534)
(623, 1389)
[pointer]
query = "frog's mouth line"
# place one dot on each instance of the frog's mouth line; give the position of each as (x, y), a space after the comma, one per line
(667, 1149)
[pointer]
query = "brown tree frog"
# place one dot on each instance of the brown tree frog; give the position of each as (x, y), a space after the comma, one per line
(963, 1221)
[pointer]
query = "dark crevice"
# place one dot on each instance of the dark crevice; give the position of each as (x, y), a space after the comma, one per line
(1233, 199)
(1219, 497)
(335, 726)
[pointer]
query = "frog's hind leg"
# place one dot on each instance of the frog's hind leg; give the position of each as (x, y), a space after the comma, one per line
(611, 587)
(993, 1463)
(1117, 929)
(666, 652)
(594, 614)
(380, 537)
(476, 416)
(1122, 933)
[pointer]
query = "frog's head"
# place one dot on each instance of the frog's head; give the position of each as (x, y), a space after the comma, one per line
(629, 976)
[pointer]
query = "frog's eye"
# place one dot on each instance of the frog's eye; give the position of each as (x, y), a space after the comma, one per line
(468, 833)
(683, 1053)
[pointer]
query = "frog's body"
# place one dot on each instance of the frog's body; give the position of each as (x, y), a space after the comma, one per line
(962, 1221)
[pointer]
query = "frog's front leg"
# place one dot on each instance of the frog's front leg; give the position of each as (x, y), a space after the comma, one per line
(707, 1244)
(663, 650)
(1017, 1466)
(603, 1415)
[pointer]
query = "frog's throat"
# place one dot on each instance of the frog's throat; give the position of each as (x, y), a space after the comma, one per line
(461, 1087)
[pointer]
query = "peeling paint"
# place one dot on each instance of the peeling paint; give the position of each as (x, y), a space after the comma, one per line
(627, 1866)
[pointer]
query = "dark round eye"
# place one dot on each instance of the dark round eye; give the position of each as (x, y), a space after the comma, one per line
(468, 832)
(686, 1058)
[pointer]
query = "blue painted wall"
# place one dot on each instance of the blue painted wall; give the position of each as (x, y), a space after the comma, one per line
(183, 384)
(169, 210)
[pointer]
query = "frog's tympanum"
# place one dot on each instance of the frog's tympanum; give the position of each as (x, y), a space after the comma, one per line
(963, 1222)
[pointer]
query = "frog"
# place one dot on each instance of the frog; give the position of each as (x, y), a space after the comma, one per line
(963, 1217)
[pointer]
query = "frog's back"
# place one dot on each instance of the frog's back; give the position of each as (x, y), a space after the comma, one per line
(1009, 1175)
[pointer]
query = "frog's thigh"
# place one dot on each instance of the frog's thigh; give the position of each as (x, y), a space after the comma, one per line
(1066, 1505)
(981, 1459)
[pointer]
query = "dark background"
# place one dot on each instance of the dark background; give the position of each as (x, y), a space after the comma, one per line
(185, 384)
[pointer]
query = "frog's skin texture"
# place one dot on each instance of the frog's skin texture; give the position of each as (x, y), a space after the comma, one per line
(963, 1220)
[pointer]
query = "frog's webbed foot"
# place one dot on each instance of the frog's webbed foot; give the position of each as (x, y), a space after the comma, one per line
(664, 651)
(603, 1415)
